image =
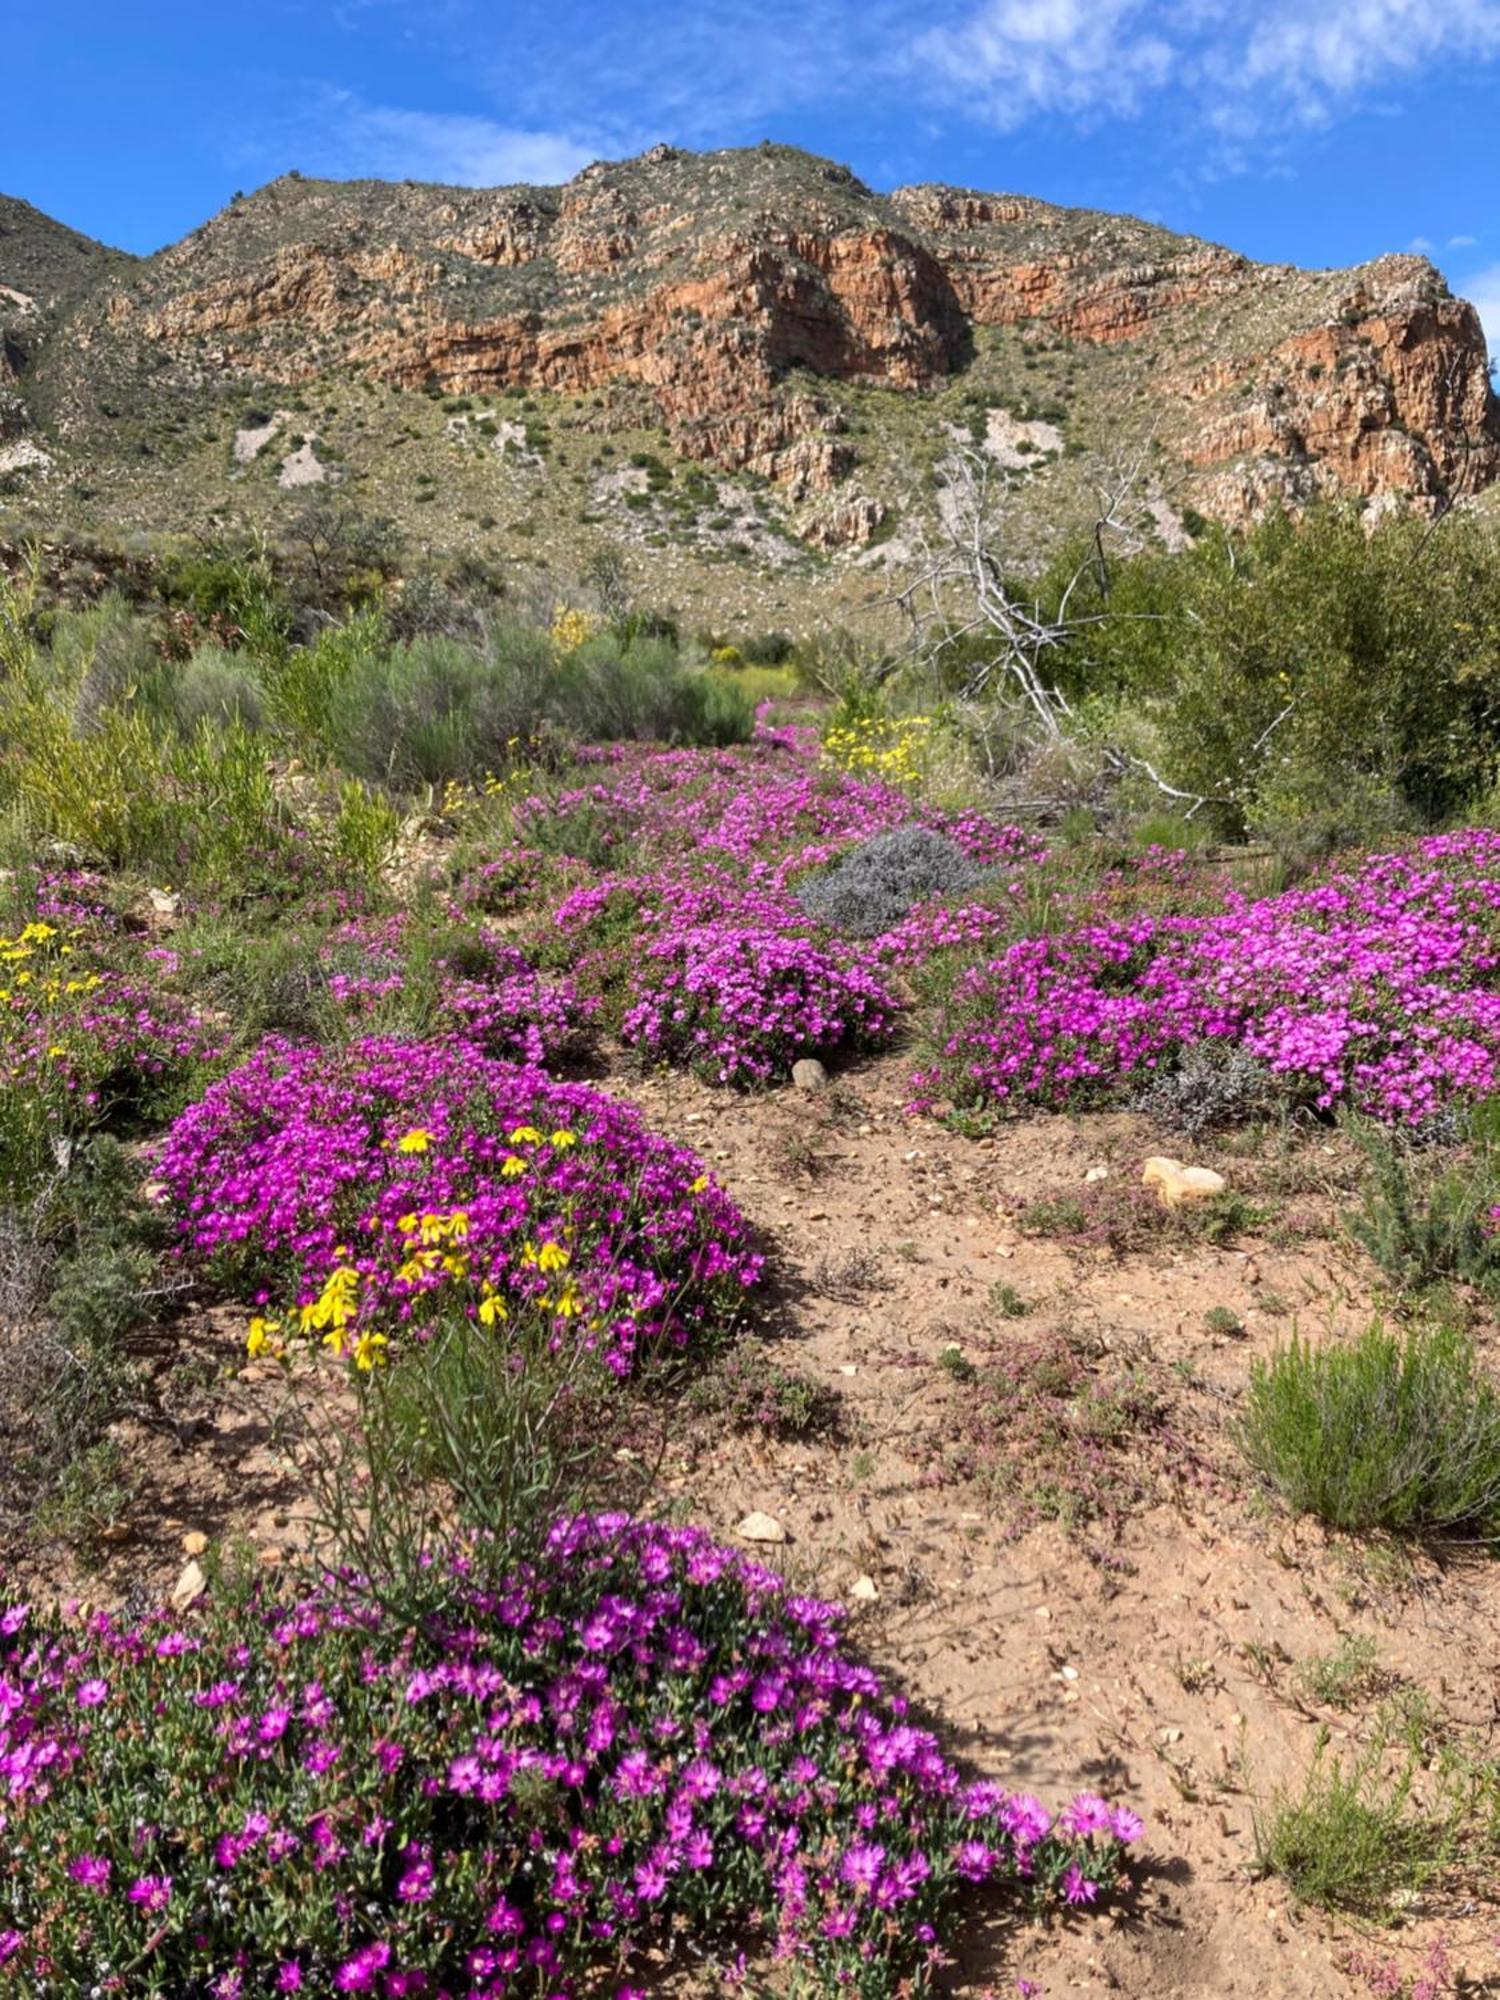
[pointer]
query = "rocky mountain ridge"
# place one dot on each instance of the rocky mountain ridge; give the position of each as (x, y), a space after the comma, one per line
(762, 312)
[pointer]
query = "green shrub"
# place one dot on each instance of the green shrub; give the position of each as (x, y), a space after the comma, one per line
(1349, 1839)
(103, 793)
(433, 709)
(225, 800)
(119, 793)
(238, 590)
(88, 1501)
(213, 687)
(365, 832)
(437, 708)
(1320, 682)
(509, 1433)
(755, 684)
(1426, 1216)
(584, 832)
(306, 687)
(768, 649)
(90, 1247)
(19, 608)
(1384, 1431)
(640, 691)
(264, 982)
(100, 658)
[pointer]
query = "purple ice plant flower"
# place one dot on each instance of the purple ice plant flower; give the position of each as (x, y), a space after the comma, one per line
(848, 1838)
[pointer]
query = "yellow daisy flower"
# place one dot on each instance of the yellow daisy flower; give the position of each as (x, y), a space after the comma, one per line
(370, 1351)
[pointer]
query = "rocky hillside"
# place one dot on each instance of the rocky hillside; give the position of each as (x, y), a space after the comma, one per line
(738, 356)
(44, 269)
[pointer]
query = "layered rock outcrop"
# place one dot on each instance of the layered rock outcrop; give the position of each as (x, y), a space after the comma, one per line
(731, 290)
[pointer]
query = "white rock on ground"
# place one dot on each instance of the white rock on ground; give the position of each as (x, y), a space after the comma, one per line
(761, 1528)
(1176, 1183)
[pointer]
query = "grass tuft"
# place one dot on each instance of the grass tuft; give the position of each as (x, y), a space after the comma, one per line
(1390, 1432)
(1349, 1839)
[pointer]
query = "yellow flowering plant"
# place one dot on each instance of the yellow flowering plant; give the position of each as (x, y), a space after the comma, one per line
(403, 1188)
(893, 748)
(571, 627)
(84, 1042)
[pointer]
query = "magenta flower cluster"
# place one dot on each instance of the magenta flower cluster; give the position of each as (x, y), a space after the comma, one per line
(722, 978)
(429, 1168)
(713, 962)
(485, 990)
(84, 1038)
(112, 1044)
(1375, 987)
(566, 1767)
(739, 1004)
(769, 809)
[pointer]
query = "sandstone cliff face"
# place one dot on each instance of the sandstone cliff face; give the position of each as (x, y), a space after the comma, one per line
(1388, 397)
(713, 343)
(732, 290)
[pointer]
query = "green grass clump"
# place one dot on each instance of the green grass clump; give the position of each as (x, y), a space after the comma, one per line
(1350, 1839)
(1425, 1218)
(1347, 1676)
(1382, 1432)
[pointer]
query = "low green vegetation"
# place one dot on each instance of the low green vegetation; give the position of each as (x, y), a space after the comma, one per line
(1055, 1432)
(1427, 1213)
(1350, 1838)
(83, 1284)
(1398, 1431)
(751, 1389)
(1346, 1677)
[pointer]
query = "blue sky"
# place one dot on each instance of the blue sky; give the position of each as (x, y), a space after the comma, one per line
(1311, 131)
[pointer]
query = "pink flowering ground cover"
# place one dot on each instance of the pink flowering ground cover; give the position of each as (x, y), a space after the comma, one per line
(1375, 987)
(738, 1003)
(371, 1186)
(473, 983)
(638, 1735)
(86, 1041)
(722, 978)
(769, 810)
(710, 960)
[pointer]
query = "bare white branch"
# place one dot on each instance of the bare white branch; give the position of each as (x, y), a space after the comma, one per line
(965, 583)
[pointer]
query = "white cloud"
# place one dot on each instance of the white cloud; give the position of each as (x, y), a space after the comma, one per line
(392, 143)
(1222, 86)
(1241, 73)
(1461, 242)
(340, 134)
(700, 75)
(1026, 56)
(1310, 54)
(1482, 289)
